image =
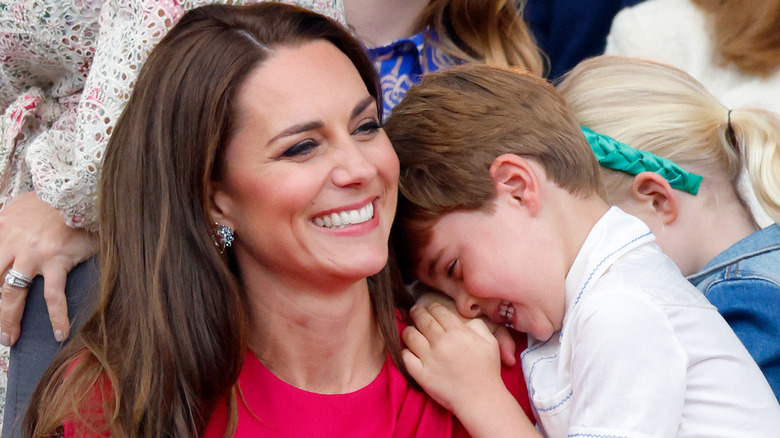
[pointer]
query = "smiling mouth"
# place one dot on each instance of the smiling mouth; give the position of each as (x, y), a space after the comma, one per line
(345, 218)
(506, 311)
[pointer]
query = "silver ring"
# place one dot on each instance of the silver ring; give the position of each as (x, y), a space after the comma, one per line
(16, 279)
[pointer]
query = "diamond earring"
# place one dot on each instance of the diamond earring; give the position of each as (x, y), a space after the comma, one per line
(226, 237)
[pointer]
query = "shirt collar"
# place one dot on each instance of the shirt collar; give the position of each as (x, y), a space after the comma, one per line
(616, 233)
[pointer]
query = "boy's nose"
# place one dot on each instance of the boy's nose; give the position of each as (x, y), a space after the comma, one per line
(468, 306)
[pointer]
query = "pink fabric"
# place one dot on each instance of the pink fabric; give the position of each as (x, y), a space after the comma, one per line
(388, 407)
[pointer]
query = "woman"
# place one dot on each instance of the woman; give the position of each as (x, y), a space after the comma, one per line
(106, 44)
(247, 199)
(67, 69)
(708, 232)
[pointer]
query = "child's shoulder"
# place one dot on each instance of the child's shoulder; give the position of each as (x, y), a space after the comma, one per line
(616, 308)
(648, 273)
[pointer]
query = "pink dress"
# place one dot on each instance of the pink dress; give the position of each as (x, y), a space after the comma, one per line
(387, 407)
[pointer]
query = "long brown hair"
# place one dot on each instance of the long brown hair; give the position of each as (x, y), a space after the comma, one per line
(490, 31)
(746, 33)
(167, 340)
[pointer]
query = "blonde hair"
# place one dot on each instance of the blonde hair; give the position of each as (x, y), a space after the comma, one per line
(746, 33)
(490, 31)
(661, 109)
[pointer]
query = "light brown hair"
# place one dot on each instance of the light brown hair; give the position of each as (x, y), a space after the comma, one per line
(490, 31)
(747, 33)
(168, 338)
(450, 128)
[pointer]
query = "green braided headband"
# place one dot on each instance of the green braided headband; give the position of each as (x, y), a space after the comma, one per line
(613, 154)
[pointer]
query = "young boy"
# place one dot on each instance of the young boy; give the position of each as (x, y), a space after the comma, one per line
(502, 209)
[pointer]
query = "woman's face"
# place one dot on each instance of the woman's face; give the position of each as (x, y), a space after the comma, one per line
(310, 178)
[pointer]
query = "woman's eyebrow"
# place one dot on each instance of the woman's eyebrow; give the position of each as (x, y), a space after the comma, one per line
(318, 124)
(297, 129)
(361, 106)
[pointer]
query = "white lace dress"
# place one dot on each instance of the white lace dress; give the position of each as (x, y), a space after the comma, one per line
(66, 69)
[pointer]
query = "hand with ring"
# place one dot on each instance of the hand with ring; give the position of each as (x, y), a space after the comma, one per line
(34, 240)
(15, 279)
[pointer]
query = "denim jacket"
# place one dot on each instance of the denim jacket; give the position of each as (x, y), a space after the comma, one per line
(743, 282)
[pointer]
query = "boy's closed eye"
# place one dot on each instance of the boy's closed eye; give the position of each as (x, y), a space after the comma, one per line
(451, 268)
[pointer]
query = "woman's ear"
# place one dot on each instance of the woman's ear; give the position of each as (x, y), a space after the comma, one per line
(516, 178)
(654, 191)
(220, 205)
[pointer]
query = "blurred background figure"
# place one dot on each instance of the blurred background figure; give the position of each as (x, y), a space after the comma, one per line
(569, 31)
(731, 47)
(407, 39)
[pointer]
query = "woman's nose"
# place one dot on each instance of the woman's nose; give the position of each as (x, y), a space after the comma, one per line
(352, 166)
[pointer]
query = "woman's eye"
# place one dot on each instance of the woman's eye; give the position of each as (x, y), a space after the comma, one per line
(369, 127)
(302, 148)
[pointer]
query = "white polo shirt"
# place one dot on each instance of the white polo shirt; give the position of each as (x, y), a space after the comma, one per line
(641, 352)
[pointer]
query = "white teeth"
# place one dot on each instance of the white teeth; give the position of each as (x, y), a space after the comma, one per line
(366, 213)
(345, 218)
(506, 311)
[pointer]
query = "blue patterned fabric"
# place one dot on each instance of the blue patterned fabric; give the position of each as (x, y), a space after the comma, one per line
(402, 63)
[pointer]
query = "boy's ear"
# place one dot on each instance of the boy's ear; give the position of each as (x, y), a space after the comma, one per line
(654, 191)
(515, 177)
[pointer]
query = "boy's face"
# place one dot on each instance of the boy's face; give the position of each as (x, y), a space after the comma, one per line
(500, 265)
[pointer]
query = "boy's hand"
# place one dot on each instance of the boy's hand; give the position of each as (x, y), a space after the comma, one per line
(454, 361)
(457, 364)
(506, 344)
